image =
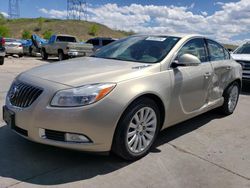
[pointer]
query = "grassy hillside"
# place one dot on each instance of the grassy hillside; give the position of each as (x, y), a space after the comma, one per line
(39, 26)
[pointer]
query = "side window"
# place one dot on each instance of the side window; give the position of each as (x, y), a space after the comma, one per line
(216, 51)
(194, 47)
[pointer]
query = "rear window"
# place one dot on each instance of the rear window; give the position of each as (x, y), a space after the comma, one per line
(106, 42)
(65, 39)
(95, 42)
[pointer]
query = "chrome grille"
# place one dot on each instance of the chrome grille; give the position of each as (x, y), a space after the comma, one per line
(245, 64)
(23, 95)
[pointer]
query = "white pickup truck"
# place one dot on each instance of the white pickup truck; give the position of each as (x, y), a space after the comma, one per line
(64, 47)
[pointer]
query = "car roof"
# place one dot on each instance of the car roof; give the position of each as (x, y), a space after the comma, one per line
(173, 35)
(62, 35)
(103, 38)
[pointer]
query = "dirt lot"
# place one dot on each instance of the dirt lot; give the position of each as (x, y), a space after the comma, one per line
(207, 151)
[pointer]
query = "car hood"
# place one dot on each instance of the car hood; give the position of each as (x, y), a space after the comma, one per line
(242, 57)
(89, 70)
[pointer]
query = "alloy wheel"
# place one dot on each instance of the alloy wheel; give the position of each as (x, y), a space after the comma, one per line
(233, 98)
(141, 130)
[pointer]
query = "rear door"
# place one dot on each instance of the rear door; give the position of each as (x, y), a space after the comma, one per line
(222, 68)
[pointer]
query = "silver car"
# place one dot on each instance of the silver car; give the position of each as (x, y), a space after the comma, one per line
(13, 47)
(119, 99)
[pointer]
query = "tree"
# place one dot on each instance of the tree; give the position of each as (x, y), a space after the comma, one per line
(2, 19)
(26, 34)
(4, 31)
(47, 34)
(94, 30)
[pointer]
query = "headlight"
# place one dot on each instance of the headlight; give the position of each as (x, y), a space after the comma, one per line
(82, 96)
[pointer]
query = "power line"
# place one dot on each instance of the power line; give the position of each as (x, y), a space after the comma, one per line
(77, 10)
(14, 9)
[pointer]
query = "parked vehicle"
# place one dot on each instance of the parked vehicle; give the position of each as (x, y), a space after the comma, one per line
(27, 47)
(33, 46)
(13, 47)
(65, 46)
(2, 50)
(100, 42)
(122, 96)
(242, 56)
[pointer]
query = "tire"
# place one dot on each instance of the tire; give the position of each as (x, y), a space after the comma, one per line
(30, 52)
(130, 134)
(61, 56)
(20, 55)
(231, 97)
(44, 54)
(1, 60)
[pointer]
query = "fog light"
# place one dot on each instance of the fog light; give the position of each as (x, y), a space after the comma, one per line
(78, 138)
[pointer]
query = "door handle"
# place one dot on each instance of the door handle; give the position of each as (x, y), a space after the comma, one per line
(207, 75)
(228, 68)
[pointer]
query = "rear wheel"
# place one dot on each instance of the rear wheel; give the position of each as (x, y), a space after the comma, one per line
(44, 54)
(61, 56)
(231, 97)
(1, 60)
(137, 130)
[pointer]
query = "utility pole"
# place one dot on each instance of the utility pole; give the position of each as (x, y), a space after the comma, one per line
(14, 9)
(77, 10)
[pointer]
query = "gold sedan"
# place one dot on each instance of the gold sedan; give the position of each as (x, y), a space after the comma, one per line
(121, 97)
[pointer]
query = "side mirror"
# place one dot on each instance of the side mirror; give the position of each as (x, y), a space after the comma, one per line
(186, 60)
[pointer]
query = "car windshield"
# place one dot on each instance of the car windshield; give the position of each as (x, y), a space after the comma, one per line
(245, 49)
(145, 49)
(10, 40)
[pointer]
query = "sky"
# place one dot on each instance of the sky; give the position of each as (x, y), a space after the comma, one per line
(227, 21)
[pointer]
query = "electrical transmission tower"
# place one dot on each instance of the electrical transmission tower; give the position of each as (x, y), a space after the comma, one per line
(14, 10)
(77, 10)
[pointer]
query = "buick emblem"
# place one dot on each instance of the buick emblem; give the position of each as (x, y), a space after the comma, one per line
(14, 91)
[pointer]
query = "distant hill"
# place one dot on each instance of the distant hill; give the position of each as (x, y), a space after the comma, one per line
(81, 29)
(230, 47)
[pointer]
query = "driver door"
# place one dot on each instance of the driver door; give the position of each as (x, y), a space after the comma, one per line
(191, 84)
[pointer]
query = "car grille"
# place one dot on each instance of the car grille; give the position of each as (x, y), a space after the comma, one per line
(245, 64)
(55, 135)
(23, 95)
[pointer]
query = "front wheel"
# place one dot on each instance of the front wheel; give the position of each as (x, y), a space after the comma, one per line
(231, 97)
(1, 60)
(44, 54)
(137, 130)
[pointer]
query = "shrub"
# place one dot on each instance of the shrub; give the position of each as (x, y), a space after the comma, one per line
(47, 34)
(4, 31)
(26, 34)
(94, 29)
(40, 23)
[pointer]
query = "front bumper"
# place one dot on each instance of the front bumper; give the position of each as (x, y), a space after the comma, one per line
(97, 121)
(76, 53)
